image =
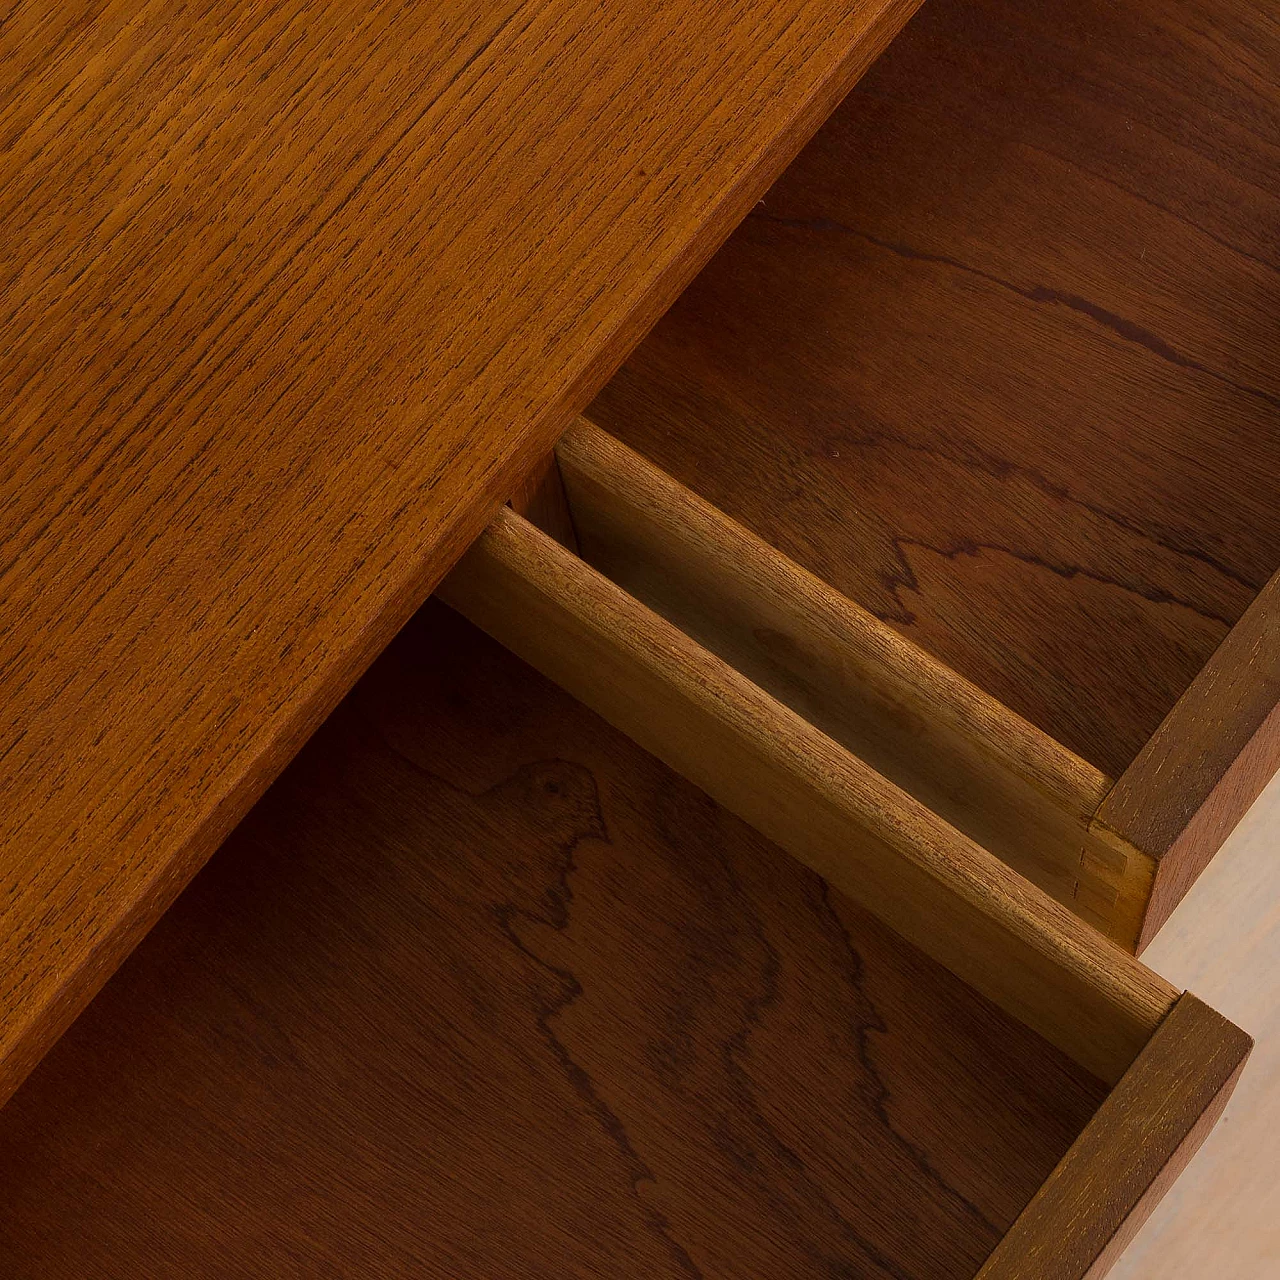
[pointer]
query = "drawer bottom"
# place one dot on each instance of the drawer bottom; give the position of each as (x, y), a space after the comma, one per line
(481, 989)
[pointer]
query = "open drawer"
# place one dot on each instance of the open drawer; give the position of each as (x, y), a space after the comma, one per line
(995, 360)
(482, 989)
(764, 938)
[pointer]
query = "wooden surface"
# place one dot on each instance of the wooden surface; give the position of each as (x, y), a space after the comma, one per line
(1140, 1140)
(761, 760)
(1208, 761)
(480, 990)
(997, 357)
(1222, 1218)
(540, 499)
(290, 297)
(961, 753)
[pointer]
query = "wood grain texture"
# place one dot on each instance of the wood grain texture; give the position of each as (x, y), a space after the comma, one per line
(1207, 762)
(980, 767)
(767, 764)
(291, 299)
(997, 355)
(480, 990)
(1139, 1141)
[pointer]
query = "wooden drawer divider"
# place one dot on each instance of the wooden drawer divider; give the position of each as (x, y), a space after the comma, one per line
(765, 762)
(882, 770)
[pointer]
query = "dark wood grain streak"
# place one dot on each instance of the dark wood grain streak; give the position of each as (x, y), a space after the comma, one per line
(997, 357)
(290, 299)
(1151, 1124)
(480, 990)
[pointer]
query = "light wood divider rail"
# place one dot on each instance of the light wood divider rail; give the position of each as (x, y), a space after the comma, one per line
(954, 747)
(765, 762)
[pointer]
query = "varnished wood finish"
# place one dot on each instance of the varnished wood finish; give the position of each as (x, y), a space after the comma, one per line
(756, 756)
(997, 355)
(481, 991)
(1207, 763)
(1141, 1138)
(291, 297)
(986, 771)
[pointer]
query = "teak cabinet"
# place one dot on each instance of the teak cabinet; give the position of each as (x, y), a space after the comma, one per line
(736, 868)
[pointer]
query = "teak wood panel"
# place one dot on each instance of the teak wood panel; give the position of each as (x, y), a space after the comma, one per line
(766, 763)
(1206, 763)
(482, 990)
(960, 752)
(1130, 1153)
(996, 358)
(290, 295)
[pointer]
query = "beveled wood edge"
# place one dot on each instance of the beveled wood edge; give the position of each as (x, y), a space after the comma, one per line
(733, 586)
(954, 900)
(1129, 1154)
(1205, 765)
(30, 1033)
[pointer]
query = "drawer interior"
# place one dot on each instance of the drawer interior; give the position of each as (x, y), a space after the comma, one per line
(986, 772)
(995, 359)
(481, 988)
(911, 525)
